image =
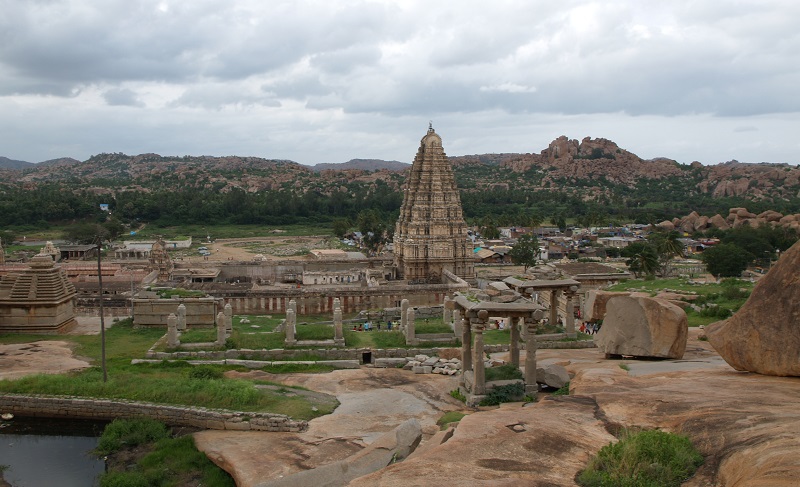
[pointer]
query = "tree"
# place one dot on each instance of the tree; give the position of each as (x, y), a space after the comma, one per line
(341, 226)
(642, 258)
(667, 247)
(560, 221)
(372, 229)
(726, 260)
(526, 250)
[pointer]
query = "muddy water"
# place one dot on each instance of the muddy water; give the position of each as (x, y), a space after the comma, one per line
(39, 452)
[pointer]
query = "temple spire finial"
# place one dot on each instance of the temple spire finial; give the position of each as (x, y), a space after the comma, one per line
(430, 126)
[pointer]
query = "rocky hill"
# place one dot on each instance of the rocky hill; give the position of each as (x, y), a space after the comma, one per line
(363, 165)
(593, 169)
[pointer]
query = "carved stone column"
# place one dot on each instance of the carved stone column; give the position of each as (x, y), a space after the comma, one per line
(228, 310)
(289, 324)
(338, 332)
(411, 333)
(172, 331)
(447, 313)
(531, 388)
(554, 307)
(569, 322)
(457, 327)
(514, 348)
(479, 372)
(403, 314)
(466, 349)
(181, 317)
(221, 335)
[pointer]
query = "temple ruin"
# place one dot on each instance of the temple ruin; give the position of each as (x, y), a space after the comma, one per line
(39, 299)
(431, 235)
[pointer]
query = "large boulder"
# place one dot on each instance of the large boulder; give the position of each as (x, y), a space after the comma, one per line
(764, 335)
(595, 305)
(552, 375)
(643, 327)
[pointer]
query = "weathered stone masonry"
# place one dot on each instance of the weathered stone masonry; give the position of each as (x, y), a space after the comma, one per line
(108, 409)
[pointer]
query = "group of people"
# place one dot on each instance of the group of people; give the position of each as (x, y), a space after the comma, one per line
(590, 328)
(368, 326)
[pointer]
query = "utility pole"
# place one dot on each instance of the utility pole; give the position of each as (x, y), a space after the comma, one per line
(102, 317)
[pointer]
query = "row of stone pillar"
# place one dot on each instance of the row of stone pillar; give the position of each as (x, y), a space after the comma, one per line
(473, 349)
(176, 322)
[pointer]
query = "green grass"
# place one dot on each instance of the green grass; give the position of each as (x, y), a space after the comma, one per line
(503, 372)
(231, 231)
(449, 418)
(166, 383)
(643, 459)
(730, 294)
(169, 461)
(431, 326)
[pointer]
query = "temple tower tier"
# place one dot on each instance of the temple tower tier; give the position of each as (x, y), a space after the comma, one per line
(431, 234)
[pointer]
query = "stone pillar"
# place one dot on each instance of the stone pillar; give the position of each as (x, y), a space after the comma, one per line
(478, 367)
(293, 307)
(514, 348)
(411, 338)
(466, 349)
(228, 312)
(554, 307)
(290, 324)
(181, 317)
(221, 335)
(569, 322)
(172, 331)
(447, 313)
(403, 314)
(457, 327)
(531, 388)
(338, 332)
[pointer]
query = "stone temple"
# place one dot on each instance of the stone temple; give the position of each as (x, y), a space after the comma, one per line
(431, 235)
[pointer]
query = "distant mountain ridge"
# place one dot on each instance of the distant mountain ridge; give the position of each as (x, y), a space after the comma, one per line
(592, 169)
(6, 163)
(363, 165)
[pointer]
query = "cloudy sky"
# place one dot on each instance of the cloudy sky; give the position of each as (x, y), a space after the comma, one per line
(331, 80)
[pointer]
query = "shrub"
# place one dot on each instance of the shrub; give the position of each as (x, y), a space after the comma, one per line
(645, 458)
(506, 393)
(129, 433)
(205, 372)
(563, 391)
(455, 393)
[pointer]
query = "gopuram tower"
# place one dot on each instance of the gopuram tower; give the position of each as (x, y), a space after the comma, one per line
(431, 235)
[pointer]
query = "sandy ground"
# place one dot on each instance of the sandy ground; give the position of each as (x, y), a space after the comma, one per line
(245, 249)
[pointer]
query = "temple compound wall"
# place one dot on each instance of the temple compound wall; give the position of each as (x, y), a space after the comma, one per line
(316, 301)
(200, 312)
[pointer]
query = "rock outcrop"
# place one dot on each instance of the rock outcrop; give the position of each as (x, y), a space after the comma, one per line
(596, 301)
(737, 217)
(764, 335)
(643, 327)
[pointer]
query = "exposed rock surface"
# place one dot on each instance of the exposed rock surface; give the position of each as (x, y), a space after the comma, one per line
(643, 327)
(764, 335)
(45, 357)
(746, 439)
(596, 302)
(373, 402)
